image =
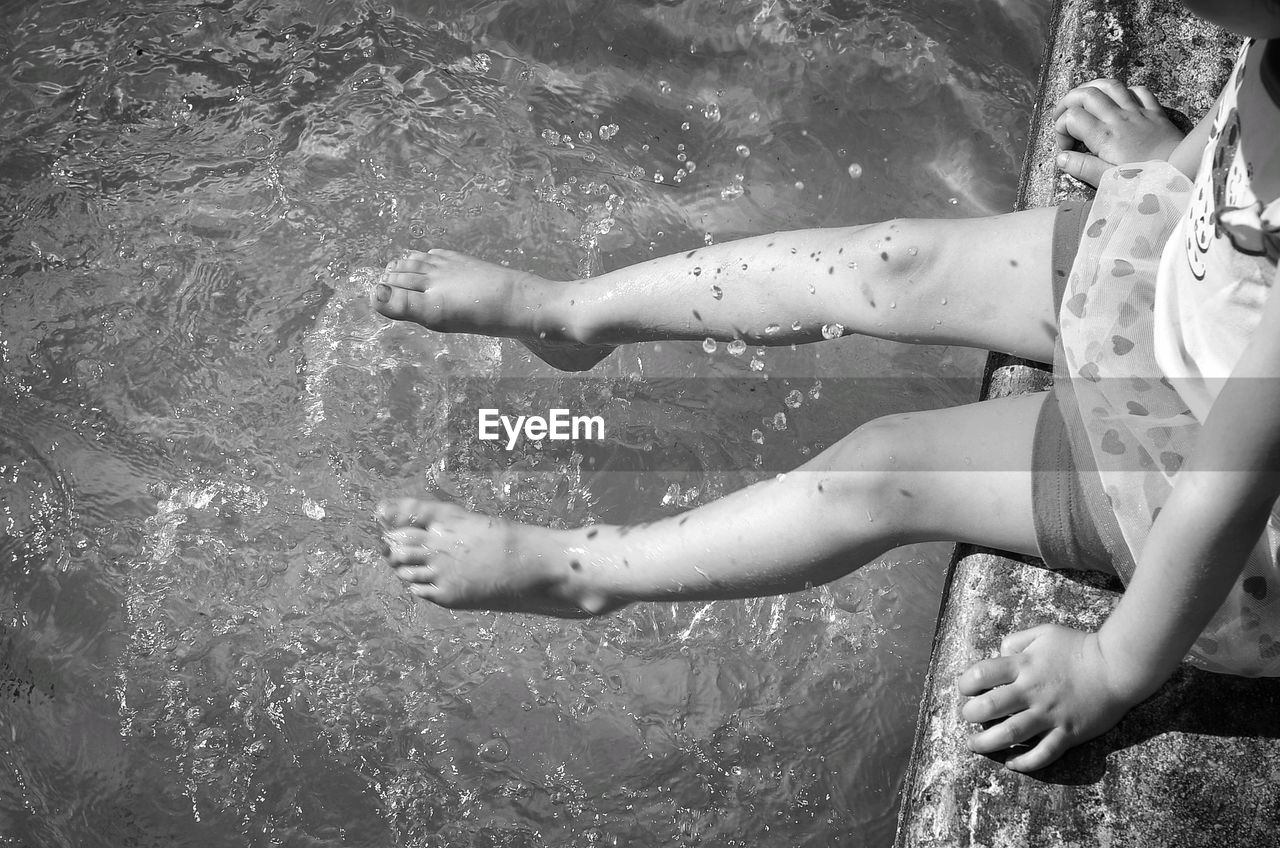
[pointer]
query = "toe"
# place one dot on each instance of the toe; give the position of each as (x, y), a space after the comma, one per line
(416, 574)
(405, 304)
(409, 512)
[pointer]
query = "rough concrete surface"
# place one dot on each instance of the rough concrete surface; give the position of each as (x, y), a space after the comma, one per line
(1199, 763)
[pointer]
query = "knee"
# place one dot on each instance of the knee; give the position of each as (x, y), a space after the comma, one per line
(903, 247)
(869, 470)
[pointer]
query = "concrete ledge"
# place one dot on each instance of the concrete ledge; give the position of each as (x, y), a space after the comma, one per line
(1199, 763)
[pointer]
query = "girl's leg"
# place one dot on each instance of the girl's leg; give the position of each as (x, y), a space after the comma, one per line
(979, 282)
(958, 474)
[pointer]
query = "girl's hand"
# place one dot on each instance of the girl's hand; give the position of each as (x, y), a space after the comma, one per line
(1050, 689)
(1117, 124)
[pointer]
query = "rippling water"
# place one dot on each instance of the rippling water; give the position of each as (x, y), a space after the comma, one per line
(198, 411)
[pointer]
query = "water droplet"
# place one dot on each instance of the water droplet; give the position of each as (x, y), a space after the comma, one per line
(737, 347)
(780, 421)
(794, 399)
(709, 344)
(711, 112)
(743, 150)
(757, 437)
(494, 750)
(832, 331)
(855, 170)
(717, 292)
(771, 329)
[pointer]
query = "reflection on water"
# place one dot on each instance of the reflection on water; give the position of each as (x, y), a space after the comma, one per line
(198, 411)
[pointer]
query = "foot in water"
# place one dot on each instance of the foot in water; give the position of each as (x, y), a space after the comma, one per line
(454, 293)
(464, 560)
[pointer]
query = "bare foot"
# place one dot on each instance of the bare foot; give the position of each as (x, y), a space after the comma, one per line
(464, 560)
(454, 293)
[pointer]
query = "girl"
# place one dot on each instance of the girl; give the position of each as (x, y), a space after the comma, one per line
(1166, 350)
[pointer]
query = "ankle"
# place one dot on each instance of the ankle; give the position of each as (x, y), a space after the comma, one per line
(578, 571)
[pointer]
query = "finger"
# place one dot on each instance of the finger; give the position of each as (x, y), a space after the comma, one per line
(1078, 125)
(1050, 748)
(987, 674)
(1016, 643)
(1083, 166)
(998, 703)
(1088, 98)
(1119, 94)
(1145, 97)
(1014, 730)
(1074, 97)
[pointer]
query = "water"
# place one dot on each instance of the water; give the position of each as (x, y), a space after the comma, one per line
(198, 412)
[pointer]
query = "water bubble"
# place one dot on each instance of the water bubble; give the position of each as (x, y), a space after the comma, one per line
(732, 191)
(711, 112)
(494, 750)
(709, 344)
(743, 150)
(794, 399)
(855, 170)
(664, 87)
(832, 331)
(780, 421)
(771, 329)
(737, 347)
(717, 292)
(608, 131)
